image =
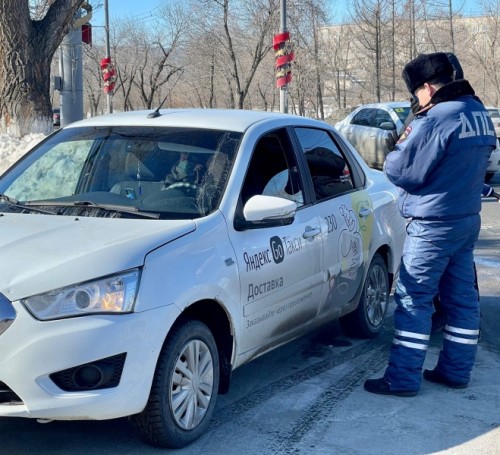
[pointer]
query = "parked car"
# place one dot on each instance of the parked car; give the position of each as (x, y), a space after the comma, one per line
(493, 163)
(56, 116)
(145, 256)
(495, 117)
(368, 126)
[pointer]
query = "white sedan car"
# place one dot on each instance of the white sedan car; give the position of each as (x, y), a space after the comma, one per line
(145, 256)
(494, 161)
(368, 126)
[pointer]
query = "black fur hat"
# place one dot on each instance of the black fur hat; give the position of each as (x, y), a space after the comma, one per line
(459, 72)
(426, 68)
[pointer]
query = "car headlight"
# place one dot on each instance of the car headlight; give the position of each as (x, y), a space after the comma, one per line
(112, 294)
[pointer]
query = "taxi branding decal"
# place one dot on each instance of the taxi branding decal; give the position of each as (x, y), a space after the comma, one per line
(351, 244)
(278, 311)
(287, 244)
(278, 248)
(259, 289)
(257, 260)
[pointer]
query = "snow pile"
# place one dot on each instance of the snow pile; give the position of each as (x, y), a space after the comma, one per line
(11, 148)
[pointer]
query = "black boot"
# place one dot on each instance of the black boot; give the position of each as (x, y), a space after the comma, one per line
(382, 387)
(438, 378)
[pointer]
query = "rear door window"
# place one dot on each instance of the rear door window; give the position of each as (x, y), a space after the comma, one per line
(364, 117)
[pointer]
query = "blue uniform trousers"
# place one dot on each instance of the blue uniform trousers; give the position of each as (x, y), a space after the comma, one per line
(437, 257)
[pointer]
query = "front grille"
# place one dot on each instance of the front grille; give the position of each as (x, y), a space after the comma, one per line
(100, 374)
(7, 396)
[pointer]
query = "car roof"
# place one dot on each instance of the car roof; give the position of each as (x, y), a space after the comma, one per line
(388, 104)
(227, 119)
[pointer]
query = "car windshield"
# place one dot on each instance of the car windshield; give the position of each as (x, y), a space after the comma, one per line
(402, 112)
(166, 173)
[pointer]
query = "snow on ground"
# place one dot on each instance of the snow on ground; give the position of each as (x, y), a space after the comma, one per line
(11, 148)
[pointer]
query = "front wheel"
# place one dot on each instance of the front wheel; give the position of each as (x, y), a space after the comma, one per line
(184, 389)
(369, 317)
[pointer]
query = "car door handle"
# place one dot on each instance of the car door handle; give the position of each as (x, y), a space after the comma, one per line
(311, 232)
(364, 212)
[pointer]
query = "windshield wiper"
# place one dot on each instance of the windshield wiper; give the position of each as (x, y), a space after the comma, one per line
(94, 205)
(23, 206)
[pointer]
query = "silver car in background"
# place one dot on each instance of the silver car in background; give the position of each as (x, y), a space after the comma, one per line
(495, 117)
(368, 126)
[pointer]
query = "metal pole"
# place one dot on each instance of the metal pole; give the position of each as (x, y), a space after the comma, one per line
(71, 70)
(108, 52)
(284, 89)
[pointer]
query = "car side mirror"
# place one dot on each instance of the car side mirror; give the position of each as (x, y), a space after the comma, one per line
(389, 126)
(267, 211)
(262, 208)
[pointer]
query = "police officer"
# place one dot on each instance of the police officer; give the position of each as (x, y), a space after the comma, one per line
(438, 165)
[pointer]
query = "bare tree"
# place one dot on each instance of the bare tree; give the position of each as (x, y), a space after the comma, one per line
(486, 53)
(336, 43)
(370, 17)
(92, 78)
(26, 53)
(306, 18)
(241, 30)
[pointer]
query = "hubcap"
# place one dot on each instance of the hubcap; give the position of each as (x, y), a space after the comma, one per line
(376, 296)
(192, 384)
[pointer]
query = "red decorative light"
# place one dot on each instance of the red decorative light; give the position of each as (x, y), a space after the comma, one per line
(108, 75)
(283, 51)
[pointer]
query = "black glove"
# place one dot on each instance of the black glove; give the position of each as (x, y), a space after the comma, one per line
(391, 140)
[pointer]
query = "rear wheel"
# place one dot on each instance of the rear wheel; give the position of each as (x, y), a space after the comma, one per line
(184, 388)
(369, 317)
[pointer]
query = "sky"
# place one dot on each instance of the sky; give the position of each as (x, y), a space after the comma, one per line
(144, 10)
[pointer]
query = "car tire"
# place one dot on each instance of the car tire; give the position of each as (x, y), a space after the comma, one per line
(369, 317)
(184, 389)
(489, 176)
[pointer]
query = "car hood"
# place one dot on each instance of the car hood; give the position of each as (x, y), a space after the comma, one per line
(39, 253)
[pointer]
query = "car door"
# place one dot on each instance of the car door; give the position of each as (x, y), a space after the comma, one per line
(383, 126)
(280, 266)
(346, 214)
(361, 134)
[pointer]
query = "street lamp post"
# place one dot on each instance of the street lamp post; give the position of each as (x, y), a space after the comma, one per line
(284, 89)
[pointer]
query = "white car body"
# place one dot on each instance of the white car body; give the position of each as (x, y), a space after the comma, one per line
(493, 163)
(495, 118)
(254, 288)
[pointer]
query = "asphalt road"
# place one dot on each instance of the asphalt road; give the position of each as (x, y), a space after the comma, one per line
(307, 398)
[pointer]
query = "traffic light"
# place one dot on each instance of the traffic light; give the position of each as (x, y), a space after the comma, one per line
(87, 34)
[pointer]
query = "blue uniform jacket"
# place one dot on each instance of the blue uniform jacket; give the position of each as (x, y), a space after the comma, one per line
(439, 163)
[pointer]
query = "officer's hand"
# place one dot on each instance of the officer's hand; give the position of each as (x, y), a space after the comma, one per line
(391, 140)
(496, 196)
